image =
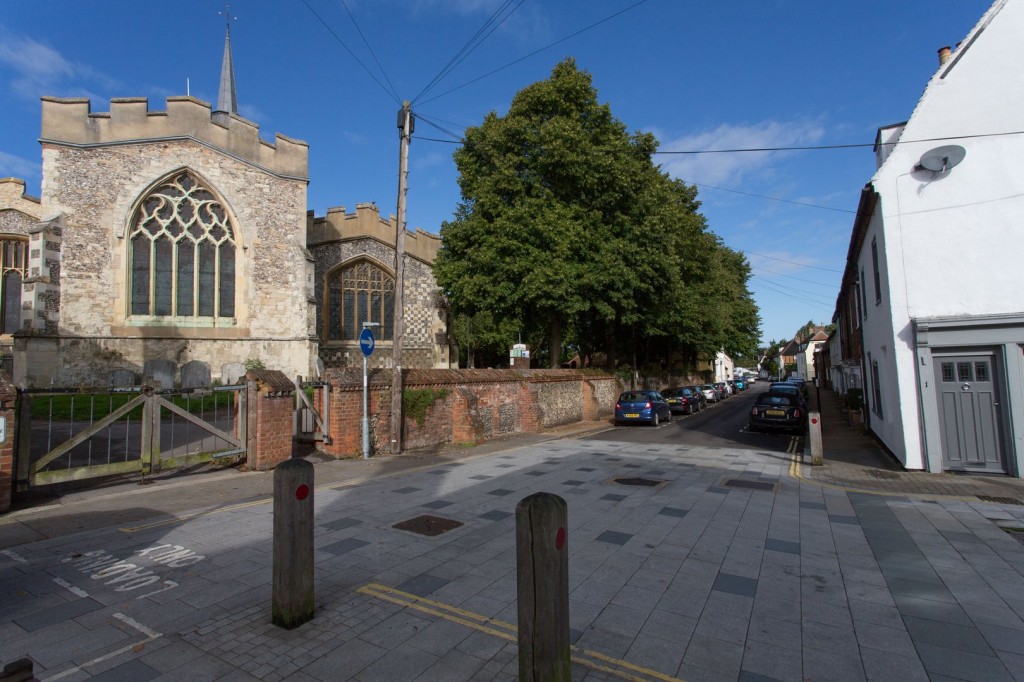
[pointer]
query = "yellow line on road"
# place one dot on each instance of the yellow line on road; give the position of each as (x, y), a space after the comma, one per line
(590, 659)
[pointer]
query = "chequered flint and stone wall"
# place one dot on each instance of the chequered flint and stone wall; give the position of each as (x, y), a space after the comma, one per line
(425, 341)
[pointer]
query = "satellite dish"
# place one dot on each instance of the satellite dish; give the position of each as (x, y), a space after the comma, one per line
(942, 158)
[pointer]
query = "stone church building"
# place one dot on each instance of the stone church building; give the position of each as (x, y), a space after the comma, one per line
(182, 235)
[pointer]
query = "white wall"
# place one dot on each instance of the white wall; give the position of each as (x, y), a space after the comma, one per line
(950, 243)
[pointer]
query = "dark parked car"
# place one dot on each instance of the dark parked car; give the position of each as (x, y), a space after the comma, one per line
(785, 388)
(799, 381)
(642, 406)
(681, 400)
(699, 394)
(778, 411)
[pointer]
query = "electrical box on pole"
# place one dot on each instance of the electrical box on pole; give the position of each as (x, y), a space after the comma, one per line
(405, 127)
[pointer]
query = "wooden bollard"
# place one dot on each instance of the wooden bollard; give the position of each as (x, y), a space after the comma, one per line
(293, 544)
(542, 579)
(814, 436)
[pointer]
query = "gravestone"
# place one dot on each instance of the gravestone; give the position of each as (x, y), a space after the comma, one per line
(195, 374)
(231, 373)
(161, 371)
(120, 378)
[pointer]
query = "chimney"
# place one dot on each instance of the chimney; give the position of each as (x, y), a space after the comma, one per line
(944, 54)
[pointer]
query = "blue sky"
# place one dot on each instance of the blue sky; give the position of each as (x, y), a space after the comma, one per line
(700, 75)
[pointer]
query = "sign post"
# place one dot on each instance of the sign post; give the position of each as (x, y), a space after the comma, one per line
(366, 344)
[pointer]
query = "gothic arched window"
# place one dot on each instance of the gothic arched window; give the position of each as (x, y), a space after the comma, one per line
(359, 293)
(13, 265)
(182, 252)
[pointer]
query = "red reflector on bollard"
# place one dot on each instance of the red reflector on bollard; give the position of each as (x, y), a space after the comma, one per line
(560, 538)
(814, 421)
(302, 492)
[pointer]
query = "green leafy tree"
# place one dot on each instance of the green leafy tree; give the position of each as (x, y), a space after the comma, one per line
(568, 233)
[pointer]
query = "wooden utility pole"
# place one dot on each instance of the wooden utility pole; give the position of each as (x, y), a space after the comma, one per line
(405, 126)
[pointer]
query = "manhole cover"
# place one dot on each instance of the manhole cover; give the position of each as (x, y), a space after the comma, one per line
(999, 500)
(428, 525)
(749, 485)
(639, 481)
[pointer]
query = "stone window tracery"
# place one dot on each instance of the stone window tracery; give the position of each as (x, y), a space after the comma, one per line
(361, 292)
(13, 265)
(182, 253)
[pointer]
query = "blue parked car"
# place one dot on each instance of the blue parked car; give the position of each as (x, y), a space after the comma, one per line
(741, 384)
(642, 406)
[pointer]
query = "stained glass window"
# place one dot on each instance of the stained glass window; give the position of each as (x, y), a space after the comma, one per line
(359, 293)
(14, 262)
(182, 253)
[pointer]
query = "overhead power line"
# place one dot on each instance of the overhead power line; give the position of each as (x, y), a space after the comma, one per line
(372, 54)
(470, 47)
(799, 279)
(791, 262)
(537, 51)
(836, 146)
(763, 196)
(351, 53)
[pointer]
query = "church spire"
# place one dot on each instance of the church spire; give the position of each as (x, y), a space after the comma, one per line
(226, 100)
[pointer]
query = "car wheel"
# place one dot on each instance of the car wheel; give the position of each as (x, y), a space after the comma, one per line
(656, 420)
(669, 417)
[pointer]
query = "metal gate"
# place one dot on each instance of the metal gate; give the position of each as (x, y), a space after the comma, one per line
(76, 434)
(312, 415)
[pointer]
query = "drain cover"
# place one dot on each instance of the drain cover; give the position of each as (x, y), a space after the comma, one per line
(651, 482)
(428, 525)
(749, 485)
(999, 500)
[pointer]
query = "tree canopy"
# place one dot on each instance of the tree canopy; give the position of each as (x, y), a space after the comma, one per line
(568, 232)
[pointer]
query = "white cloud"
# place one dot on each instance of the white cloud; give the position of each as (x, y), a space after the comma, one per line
(38, 69)
(12, 166)
(731, 168)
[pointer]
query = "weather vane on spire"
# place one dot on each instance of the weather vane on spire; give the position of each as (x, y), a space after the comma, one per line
(226, 99)
(227, 16)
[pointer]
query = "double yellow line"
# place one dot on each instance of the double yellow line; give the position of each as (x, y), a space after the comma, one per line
(590, 659)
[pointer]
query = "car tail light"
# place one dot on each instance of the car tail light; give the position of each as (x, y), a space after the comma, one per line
(753, 411)
(648, 405)
(796, 413)
(618, 406)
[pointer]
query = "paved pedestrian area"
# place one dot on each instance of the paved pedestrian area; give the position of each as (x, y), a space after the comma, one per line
(732, 566)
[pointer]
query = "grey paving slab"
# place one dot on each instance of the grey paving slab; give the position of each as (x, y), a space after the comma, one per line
(717, 584)
(130, 671)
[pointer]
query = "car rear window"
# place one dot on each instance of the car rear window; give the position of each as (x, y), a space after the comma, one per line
(776, 400)
(634, 397)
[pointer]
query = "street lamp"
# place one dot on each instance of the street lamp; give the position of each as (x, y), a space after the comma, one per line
(366, 399)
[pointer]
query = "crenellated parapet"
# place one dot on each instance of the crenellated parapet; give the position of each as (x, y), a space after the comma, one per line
(71, 122)
(366, 222)
(14, 198)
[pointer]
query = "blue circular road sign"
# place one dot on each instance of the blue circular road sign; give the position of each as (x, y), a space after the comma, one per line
(366, 342)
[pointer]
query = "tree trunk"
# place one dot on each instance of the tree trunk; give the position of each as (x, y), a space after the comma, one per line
(555, 341)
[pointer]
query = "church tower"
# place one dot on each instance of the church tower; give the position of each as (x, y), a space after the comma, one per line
(173, 236)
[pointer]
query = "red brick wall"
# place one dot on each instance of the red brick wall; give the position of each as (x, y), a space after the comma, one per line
(271, 401)
(478, 405)
(8, 396)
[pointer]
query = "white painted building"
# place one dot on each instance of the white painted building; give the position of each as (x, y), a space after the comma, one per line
(936, 263)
